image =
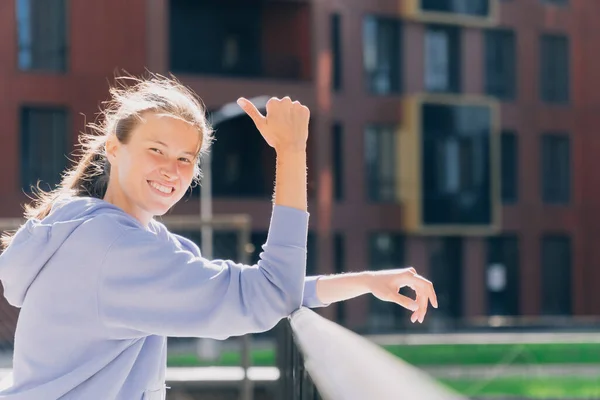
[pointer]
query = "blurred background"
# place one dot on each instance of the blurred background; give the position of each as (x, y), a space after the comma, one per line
(456, 136)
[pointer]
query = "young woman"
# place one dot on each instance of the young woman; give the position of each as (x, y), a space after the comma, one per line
(101, 284)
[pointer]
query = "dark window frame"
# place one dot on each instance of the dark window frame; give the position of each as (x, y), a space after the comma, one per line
(455, 62)
(478, 8)
(556, 179)
(554, 71)
(509, 167)
(337, 160)
(556, 284)
(35, 47)
(393, 73)
(31, 170)
(377, 185)
(337, 63)
(504, 249)
(500, 63)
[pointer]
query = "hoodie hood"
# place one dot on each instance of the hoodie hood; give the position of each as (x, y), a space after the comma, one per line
(37, 240)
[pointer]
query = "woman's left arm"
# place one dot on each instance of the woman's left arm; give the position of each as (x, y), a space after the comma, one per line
(384, 285)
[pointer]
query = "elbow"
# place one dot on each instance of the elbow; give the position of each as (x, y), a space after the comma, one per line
(282, 272)
(293, 298)
(290, 291)
(280, 301)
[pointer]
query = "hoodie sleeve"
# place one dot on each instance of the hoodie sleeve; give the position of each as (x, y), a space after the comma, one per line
(150, 285)
(310, 298)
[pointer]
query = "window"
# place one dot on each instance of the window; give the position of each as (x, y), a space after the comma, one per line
(442, 59)
(556, 2)
(380, 157)
(502, 275)
(240, 38)
(556, 169)
(509, 167)
(245, 163)
(456, 164)
(336, 51)
(556, 275)
(312, 254)
(44, 146)
(386, 251)
(235, 32)
(500, 60)
(446, 272)
(554, 69)
(381, 54)
(337, 156)
(42, 35)
(478, 8)
(339, 261)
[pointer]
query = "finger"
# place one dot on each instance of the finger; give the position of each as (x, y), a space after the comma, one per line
(405, 302)
(433, 297)
(422, 301)
(252, 111)
(428, 289)
(424, 287)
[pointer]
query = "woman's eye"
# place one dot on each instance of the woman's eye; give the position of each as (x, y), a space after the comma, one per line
(185, 160)
(154, 150)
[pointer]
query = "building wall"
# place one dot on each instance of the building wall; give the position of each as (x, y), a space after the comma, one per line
(101, 43)
(135, 37)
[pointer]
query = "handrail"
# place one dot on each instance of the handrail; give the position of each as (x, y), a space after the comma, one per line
(346, 366)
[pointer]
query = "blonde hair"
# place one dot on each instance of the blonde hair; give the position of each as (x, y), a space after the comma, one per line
(130, 98)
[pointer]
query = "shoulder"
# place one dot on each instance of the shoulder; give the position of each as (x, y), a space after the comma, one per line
(105, 228)
(124, 236)
(178, 240)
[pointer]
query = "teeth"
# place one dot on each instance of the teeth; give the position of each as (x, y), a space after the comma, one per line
(162, 188)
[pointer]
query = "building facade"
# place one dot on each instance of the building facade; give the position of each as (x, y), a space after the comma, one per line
(455, 138)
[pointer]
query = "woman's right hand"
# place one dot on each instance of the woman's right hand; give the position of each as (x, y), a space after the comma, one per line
(285, 127)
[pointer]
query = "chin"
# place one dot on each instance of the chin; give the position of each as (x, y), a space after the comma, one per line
(158, 209)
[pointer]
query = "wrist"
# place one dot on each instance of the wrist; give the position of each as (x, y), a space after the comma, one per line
(291, 150)
(366, 280)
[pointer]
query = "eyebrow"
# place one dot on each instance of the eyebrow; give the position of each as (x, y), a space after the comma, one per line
(189, 153)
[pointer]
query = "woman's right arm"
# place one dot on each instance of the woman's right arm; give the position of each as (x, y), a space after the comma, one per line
(285, 128)
(148, 286)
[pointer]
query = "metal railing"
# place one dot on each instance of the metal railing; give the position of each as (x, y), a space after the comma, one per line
(295, 382)
(323, 360)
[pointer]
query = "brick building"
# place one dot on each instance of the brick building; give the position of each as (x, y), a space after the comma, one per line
(455, 138)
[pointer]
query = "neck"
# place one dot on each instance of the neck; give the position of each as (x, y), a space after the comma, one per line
(115, 196)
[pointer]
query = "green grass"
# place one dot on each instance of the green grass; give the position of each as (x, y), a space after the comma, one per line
(490, 354)
(530, 387)
(472, 355)
(440, 355)
(261, 358)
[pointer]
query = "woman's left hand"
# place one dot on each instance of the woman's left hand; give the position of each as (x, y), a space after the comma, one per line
(386, 284)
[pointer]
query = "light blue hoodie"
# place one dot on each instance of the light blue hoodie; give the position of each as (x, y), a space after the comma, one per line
(99, 294)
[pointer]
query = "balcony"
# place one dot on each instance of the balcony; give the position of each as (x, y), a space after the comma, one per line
(241, 39)
(479, 13)
(449, 168)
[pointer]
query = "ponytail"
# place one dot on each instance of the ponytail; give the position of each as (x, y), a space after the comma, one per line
(89, 178)
(121, 114)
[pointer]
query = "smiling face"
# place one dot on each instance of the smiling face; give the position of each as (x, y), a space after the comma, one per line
(152, 170)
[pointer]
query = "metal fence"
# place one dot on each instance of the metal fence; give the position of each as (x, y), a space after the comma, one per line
(295, 382)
